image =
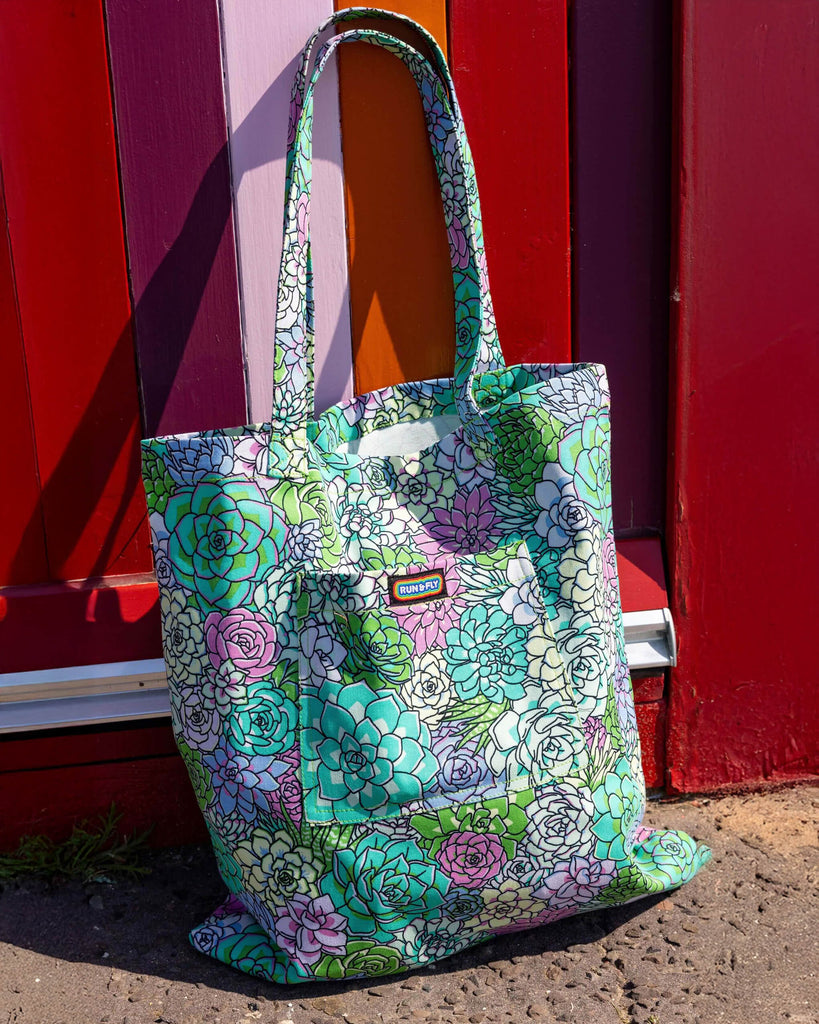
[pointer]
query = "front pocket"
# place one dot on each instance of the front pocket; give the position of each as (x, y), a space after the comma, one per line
(442, 685)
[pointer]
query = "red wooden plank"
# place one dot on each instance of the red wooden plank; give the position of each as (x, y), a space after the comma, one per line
(152, 792)
(60, 625)
(86, 746)
(621, 138)
(651, 724)
(65, 227)
(22, 537)
(510, 68)
(742, 524)
(642, 574)
(648, 686)
(172, 137)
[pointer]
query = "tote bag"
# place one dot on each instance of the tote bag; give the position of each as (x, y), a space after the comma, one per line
(393, 634)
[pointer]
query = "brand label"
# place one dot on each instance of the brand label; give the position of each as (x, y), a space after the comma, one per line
(420, 586)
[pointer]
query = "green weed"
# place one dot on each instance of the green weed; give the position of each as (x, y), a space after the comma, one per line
(94, 851)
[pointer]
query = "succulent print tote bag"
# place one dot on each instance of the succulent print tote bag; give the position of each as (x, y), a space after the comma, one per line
(393, 634)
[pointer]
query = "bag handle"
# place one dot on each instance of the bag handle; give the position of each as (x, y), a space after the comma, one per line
(493, 353)
(476, 337)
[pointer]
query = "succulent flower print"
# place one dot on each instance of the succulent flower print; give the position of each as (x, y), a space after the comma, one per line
(560, 822)
(455, 456)
(363, 959)
(619, 804)
(307, 928)
(265, 721)
(583, 453)
(183, 636)
(486, 655)
(379, 651)
(580, 574)
(423, 941)
(421, 485)
(365, 753)
(429, 692)
(427, 622)
(159, 483)
(195, 458)
(469, 525)
(240, 781)
(276, 867)
(386, 785)
(564, 514)
(463, 771)
(223, 538)
(197, 720)
(381, 885)
(576, 881)
(527, 439)
(471, 858)
(244, 638)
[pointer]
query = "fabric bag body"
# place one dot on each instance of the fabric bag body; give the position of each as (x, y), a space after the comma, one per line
(393, 634)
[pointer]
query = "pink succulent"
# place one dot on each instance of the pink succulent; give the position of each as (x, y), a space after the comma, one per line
(470, 858)
(307, 928)
(242, 638)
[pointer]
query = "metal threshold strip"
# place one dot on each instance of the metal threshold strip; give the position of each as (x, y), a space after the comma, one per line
(134, 690)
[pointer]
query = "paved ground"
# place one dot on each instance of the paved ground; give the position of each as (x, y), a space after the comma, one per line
(738, 945)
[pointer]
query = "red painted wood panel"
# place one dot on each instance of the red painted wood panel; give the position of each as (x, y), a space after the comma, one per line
(50, 801)
(64, 221)
(401, 299)
(648, 686)
(61, 625)
(742, 524)
(621, 178)
(172, 138)
(67, 747)
(641, 571)
(22, 537)
(509, 61)
(651, 724)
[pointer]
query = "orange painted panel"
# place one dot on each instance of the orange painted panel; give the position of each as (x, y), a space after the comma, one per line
(402, 307)
(65, 226)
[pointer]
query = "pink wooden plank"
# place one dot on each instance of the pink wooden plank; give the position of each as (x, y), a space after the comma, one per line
(172, 137)
(261, 45)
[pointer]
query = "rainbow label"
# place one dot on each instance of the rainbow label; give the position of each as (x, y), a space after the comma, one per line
(420, 586)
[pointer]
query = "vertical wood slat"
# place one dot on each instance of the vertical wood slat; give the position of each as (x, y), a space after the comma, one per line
(509, 60)
(261, 45)
(744, 698)
(66, 235)
(22, 537)
(621, 142)
(172, 138)
(401, 299)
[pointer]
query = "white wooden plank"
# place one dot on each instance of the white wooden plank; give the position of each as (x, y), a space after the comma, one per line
(261, 42)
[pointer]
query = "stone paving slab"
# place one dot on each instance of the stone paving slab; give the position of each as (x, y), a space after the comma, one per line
(738, 945)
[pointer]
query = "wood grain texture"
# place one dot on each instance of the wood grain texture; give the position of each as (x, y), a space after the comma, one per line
(152, 792)
(64, 222)
(172, 138)
(745, 697)
(60, 625)
(22, 535)
(261, 45)
(621, 152)
(651, 724)
(509, 60)
(402, 306)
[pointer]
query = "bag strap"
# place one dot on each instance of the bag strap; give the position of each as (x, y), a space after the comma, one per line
(475, 331)
(492, 355)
